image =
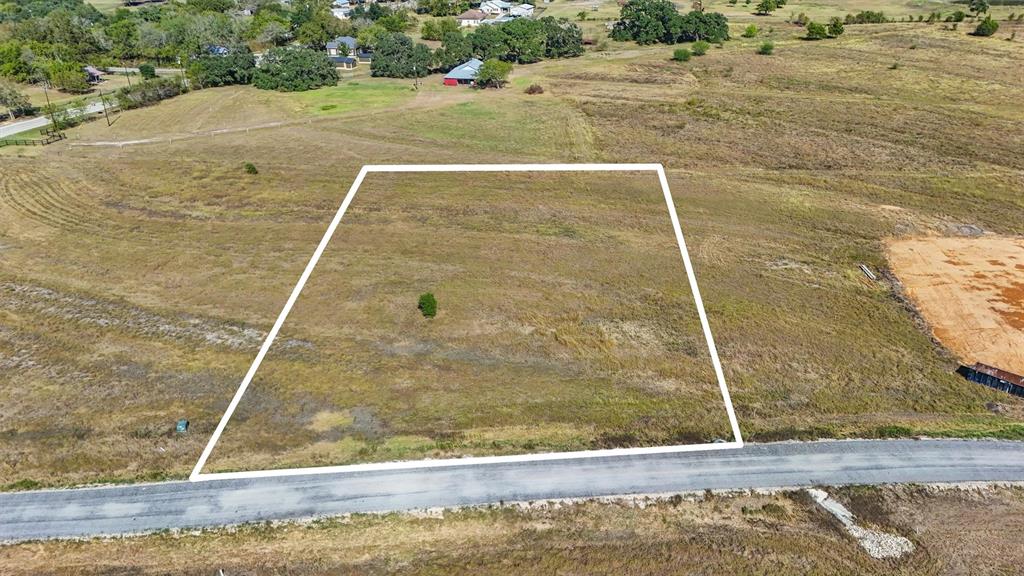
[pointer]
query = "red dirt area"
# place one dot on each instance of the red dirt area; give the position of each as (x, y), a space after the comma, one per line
(971, 292)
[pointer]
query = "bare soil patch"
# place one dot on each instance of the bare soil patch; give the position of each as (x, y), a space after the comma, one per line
(971, 292)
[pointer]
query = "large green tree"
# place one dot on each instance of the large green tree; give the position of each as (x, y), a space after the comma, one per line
(645, 21)
(455, 49)
(294, 69)
(235, 67)
(493, 73)
(563, 39)
(12, 98)
(524, 40)
(396, 56)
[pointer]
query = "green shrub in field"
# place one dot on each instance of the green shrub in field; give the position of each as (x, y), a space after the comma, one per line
(700, 48)
(766, 48)
(250, 168)
(986, 27)
(428, 305)
(681, 55)
(766, 7)
(816, 31)
(835, 27)
(750, 31)
(149, 92)
(957, 16)
(147, 71)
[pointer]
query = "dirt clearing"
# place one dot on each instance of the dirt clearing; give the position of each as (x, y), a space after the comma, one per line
(971, 292)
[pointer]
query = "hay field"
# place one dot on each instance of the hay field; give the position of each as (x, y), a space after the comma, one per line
(971, 292)
(140, 279)
(955, 531)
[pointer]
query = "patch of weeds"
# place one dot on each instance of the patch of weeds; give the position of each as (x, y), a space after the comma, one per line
(24, 484)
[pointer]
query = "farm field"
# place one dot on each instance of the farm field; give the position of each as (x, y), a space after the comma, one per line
(954, 531)
(137, 280)
(971, 292)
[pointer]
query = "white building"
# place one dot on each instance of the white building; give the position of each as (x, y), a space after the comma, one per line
(495, 7)
(470, 18)
(521, 11)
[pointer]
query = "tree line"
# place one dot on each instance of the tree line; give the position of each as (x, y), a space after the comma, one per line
(520, 41)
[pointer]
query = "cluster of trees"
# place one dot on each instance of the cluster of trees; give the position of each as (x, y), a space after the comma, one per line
(437, 28)
(817, 31)
(442, 7)
(653, 21)
(520, 41)
(53, 39)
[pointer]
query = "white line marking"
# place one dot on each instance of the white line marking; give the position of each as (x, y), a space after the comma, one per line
(736, 443)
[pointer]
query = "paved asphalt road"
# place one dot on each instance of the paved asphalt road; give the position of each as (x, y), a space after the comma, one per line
(148, 507)
(40, 121)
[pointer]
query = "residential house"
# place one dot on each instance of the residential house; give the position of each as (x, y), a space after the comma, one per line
(495, 7)
(334, 47)
(470, 18)
(463, 74)
(521, 11)
(92, 75)
(343, 62)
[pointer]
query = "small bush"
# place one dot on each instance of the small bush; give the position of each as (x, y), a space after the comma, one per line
(681, 55)
(986, 27)
(895, 65)
(535, 89)
(250, 168)
(835, 27)
(766, 48)
(750, 31)
(148, 71)
(428, 305)
(700, 48)
(816, 31)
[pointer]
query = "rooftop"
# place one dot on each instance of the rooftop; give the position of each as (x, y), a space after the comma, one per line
(465, 71)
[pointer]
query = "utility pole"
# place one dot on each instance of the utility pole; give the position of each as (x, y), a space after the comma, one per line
(126, 74)
(49, 107)
(103, 101)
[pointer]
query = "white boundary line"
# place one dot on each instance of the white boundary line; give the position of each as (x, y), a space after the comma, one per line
(737, 442)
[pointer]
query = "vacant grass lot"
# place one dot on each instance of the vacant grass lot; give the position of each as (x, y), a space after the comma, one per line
(954, 532)
(137, 281)
(565, 321)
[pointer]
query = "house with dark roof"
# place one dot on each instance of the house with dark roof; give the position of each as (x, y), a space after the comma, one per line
(334, 46)
(92, 75)
(343, 62)
(463, 74)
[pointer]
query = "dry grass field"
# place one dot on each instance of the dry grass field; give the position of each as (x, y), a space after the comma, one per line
(565, 322)
(971, 292)
(955, 531)
(137, 281)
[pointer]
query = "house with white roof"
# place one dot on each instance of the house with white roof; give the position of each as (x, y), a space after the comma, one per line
(495, 7)
(521, 11)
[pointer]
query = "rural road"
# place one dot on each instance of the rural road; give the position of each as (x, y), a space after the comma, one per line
(13, 128)
(149, 507)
